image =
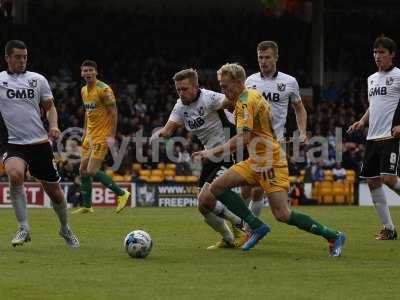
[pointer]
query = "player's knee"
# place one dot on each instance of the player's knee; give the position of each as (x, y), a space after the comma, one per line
(282, 215)
(390, 181)
(374, 183)
(15, 176)
(206, 199)
(90, 173)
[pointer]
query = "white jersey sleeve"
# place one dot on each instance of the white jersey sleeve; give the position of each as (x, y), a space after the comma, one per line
(176, 114)
(215, 100)
(294, 93)
(44, 89)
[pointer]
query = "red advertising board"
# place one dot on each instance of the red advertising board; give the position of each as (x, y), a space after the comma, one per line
(34, 194)
(36, 197)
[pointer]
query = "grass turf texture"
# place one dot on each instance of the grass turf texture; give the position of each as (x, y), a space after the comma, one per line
(288, 264)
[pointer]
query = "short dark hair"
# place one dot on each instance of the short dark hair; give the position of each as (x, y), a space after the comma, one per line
(89, 63)
(386, 43)
(264, 45)
(190, 74)
(8, 49)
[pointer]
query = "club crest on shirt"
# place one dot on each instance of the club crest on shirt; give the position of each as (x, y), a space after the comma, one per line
(32, 83)
(281, 86)
(389, 81)
(201, 111)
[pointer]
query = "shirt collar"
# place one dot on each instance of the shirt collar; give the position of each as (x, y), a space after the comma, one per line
(272, 77)
(389, 69)
(12, 73)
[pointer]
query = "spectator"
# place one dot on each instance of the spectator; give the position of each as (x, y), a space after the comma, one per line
(318, 174)
(339, 173)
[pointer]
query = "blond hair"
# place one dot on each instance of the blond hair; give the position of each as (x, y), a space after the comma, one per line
(234, 70)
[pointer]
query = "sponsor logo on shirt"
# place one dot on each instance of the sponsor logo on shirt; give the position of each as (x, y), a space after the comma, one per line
(20, 94)
(90, 106)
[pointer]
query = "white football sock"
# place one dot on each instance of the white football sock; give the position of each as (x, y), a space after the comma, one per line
(18, 200)
(61, 211)
(222, 211)
(256, 206)
(219, 225)
(379, 200)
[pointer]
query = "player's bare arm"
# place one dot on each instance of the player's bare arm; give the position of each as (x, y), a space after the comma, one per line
(228, 104)
(240, 139)
(357, 126)
(113, 115)
(301, 117)
(166, 131)
(51, 115)
(84, 127)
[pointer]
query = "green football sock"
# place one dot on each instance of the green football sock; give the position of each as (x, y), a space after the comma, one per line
(108, 182)
(236, 205)
(306, 223)
(86, 190)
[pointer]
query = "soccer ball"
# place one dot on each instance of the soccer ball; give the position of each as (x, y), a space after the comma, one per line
(138, 244)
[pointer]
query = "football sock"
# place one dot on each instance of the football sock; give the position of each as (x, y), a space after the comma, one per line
(236, 205)
(108, 182)
(219, 225)
(306, 223)
(256, 206)
(223, 212)
(18, 200)
(61, 212)
(86, 191)
(381, 207)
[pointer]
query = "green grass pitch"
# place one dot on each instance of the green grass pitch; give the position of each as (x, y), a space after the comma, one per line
(288, 264)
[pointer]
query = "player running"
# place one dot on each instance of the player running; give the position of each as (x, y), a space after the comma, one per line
(266, 166)
(201, 112)
(25, 141)
(98, 135)
(280, 90)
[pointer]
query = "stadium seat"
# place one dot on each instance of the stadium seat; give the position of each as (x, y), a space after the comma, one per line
(155, 178)
(145, 172)
(315, 190)
(349, 191)
(128, 178)
(180, 178)
(169, 172)
(350, 175)
(161, 166)
(192, 178)
(338, 191)
(328, 175)
(170, 166)
(157, 172)
(118, 178)
(325, 192)
(136, 167)
(144, 178)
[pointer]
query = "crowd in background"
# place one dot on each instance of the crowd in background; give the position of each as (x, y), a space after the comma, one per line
(139, 55)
